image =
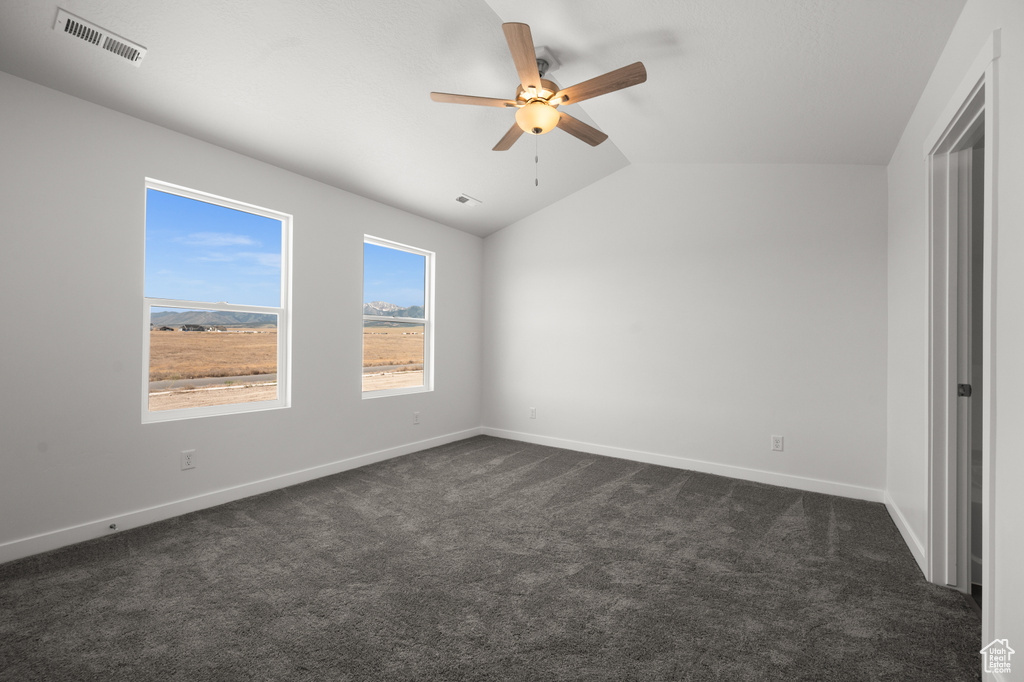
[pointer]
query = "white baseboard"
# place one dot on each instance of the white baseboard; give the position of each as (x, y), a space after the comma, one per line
(909, 537)
(44, 542)
(786, 480)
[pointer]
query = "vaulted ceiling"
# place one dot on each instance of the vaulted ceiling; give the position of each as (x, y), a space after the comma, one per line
(339, 91)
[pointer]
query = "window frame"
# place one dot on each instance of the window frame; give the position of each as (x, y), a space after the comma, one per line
(283, 313)
(427, 320)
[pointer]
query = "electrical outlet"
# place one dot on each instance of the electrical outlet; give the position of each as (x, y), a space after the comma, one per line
(533, 413)
(777, 443)
(188, 459)
(415, 418)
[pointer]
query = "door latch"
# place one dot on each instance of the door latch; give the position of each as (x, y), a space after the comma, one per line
(963, 390)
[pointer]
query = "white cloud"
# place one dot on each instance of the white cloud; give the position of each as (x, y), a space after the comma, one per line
(217, 258)
(217, 239)
(267, 260)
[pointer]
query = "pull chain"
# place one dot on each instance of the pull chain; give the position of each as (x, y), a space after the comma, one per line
(536, 160)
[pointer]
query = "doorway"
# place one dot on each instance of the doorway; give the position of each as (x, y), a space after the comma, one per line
(970, 325)
(962, 236)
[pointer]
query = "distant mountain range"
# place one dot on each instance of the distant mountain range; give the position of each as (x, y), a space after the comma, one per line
(211, 318)
(383, 309)
(216, 318)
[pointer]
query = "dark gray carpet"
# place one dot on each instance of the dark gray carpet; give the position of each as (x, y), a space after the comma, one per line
(490, 559)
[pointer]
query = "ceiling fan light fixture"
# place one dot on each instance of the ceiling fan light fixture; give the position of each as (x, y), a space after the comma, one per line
(537, 117)
(537, 98)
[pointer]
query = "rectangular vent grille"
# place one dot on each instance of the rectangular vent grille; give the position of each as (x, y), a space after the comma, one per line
(100, 37)
(82, 31)
(121, 49)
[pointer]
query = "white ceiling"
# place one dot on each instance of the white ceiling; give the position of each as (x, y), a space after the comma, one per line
(339, 90)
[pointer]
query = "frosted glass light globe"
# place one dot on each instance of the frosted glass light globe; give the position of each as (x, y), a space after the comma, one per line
(537, 117)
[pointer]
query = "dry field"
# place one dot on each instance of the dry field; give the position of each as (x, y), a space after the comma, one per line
(181, 356)
(174, 400)
(203, 397)
(191, 355)
(376, 382)
(392, 346)
(385, 347)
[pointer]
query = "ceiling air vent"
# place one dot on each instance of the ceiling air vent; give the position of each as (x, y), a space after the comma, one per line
(71, 25)
(467, 200)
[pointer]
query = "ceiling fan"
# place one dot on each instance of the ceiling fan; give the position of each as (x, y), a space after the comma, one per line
(537, 99)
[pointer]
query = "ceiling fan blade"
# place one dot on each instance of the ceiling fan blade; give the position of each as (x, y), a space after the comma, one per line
(506, 142)
(520, 44)
(578, 128)
(634, 74)
(471, 99)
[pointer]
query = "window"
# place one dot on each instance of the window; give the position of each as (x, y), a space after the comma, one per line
(397, 326)
(215, 311)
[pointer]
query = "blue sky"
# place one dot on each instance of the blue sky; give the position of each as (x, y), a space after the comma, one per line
(392, 276)
(202, 252)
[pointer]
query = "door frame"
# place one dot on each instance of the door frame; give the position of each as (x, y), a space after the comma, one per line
(971, 113)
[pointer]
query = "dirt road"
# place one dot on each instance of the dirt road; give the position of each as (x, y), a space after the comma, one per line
(230, 395)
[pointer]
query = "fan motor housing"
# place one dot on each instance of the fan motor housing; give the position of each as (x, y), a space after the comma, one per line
(547, 91)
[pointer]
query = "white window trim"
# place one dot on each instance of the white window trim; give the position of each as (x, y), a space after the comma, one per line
(284, 328)
(427, 321)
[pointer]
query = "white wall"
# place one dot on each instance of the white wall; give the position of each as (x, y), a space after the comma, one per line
(908, 304)
(74, 455)
(683, 314)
